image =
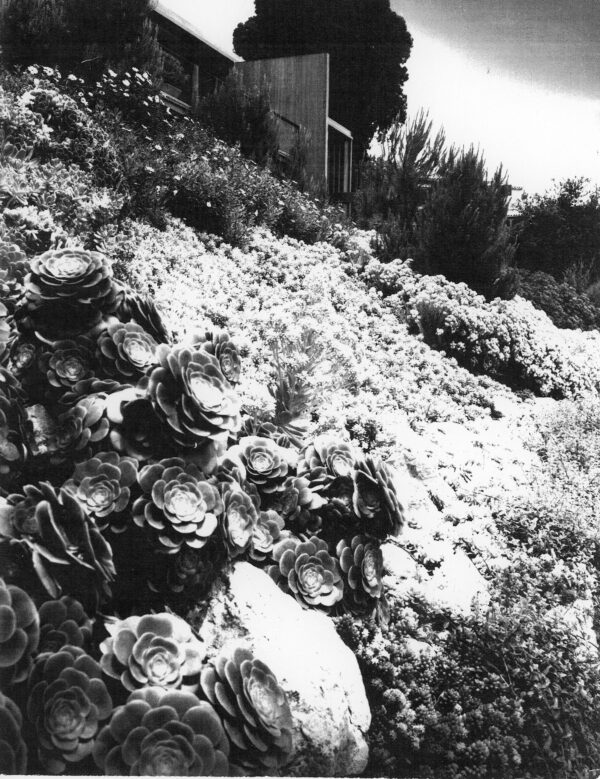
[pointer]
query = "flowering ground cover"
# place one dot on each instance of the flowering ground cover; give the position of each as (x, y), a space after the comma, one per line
(215, 390)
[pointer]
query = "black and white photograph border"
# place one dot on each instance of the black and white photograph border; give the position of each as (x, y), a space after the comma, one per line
(299, 388)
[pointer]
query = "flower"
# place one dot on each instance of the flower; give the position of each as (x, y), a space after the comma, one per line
(306, 570)
(102, 485)
(374, 499)
(19, 633)
(156, 649)
(239, 518)
(63, 622)
(192, 397)
(67, 704)
(13, 751)
(126, 350)
(361, 562)
(178, 504)
(160, 732)
(254, 708)
(265, 463)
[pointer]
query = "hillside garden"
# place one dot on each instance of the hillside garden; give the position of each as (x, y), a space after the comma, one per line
(223, 417)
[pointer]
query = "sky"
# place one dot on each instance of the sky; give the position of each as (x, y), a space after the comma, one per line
(520, 79)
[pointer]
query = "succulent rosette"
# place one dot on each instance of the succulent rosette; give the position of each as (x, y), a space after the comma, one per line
(102, 485)
(156, 649)
(220, 345)
(306, 570)
(266, 533)
(254, 708)
(192, 397)
(178, 504)
(19, 633)
(126, 351)
(132, 307)
(239, 519)
(190, 573)
(13, 750)
(6, 331)
(266, 464)
(13, 451)
(63, 622)
(68, 703)
(84, 426)
(374, 500)
(298, 504)
(68, 362)
(160, 732)
(326, 460)
(64, 544)
(70, 275)
(361, 562)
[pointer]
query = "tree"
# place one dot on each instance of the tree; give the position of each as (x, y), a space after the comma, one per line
(368, 45)
(80, 34)
(462, 229)
(394, 185)
(560, 233)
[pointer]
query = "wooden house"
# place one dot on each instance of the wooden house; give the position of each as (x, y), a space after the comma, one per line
(299, 91)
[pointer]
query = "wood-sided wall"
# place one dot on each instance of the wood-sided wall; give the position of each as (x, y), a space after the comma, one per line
(300, 93)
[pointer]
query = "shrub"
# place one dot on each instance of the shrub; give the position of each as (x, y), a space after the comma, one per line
(563, 304)
(238, 114)
(510, 695)
(507, 340)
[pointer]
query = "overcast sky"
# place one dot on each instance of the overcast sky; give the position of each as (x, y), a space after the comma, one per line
(519, 78)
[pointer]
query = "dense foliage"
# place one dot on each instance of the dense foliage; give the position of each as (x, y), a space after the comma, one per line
(566, 307)
(560, 233)
(368, 44)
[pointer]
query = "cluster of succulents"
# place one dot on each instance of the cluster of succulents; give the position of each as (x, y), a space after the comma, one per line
(131, 475)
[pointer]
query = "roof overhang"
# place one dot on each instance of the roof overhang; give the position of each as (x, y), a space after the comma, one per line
(339, 127)
(192, 30)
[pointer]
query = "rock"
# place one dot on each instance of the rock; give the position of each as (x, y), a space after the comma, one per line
(458, 584)
(312, 664)
(398, 563)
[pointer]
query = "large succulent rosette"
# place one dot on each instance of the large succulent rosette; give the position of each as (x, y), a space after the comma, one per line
(361, 562)
(192, 397)
(265, 463)
(126, 351)
(84, 427)
(19, 634)
(13, 269)
(160, 732)
(254, 708)
(102, 485)
(220, 345)
(239, 519)
(178, 505)
(63, 622)
(326, 460)
(70, 275)
(157, 650)
(375, 501)
(306, 570)
(64, 545)
(68, 703)
(13, 750)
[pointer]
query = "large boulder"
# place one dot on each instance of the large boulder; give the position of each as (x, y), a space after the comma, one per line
(312, 664)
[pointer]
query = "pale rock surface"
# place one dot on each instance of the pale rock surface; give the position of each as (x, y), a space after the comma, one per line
(312, 664)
